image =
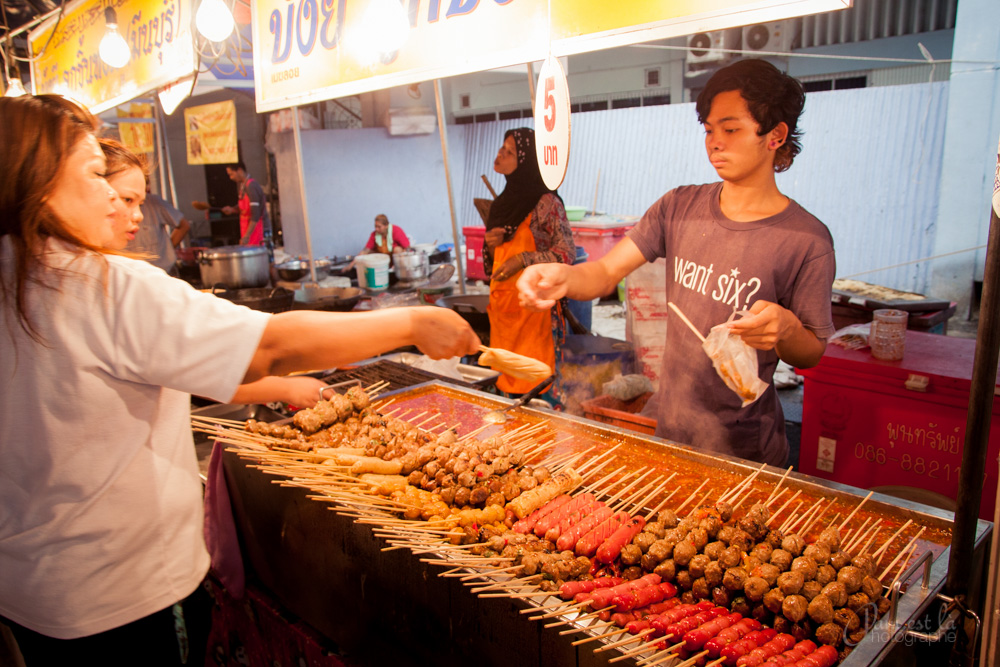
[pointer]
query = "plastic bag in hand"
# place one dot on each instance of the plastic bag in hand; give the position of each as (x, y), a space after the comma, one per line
(734, 361)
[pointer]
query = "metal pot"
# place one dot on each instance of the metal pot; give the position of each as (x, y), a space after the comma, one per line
(411, 265)
(235, 266)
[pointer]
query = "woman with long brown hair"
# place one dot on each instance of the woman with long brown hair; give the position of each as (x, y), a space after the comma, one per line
(101, 546)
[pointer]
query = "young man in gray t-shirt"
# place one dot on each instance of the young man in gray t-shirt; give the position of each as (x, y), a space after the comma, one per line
(735, 245)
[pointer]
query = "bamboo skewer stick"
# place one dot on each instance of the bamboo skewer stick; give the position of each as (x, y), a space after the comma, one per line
(864, 547)
(646, 492)
(593, 487)
(586, 640)
(691, 497)
(663, 503)
(686, 320)
(881, 550)
(912, 542)
(847, 544)
(819, 517)
(622, 642)
(782, 508)
(598, 460)
(726, 496)
(851, 515)
(777, 486)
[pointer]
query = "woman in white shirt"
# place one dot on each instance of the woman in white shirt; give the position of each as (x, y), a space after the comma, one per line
(101, 533)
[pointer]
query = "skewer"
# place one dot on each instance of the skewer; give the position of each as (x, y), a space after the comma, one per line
(593, 463)
(792, 518)
(725, 497)
(781, 509)
(581, 618)
(561, 603)
(849, 516)
(864, 547)
(553, 614)
(593, 487)
(649, 491)
(645, 646)
(621, 492)
(513, 583)
(585, 640)
(686, 320)
(691, 497)
(596, 626)
(846, 543)
(819, 517)
(663, 502)
(777, 486)
(881, 550)
(622, 642)
(912, 542)
(902, 566)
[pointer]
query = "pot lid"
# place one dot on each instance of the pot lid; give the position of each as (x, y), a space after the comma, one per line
(234, 251)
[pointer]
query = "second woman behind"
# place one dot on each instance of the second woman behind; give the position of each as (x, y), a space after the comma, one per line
(527, 225)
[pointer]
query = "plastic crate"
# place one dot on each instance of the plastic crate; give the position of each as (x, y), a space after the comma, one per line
(474, 237)
(623, 414)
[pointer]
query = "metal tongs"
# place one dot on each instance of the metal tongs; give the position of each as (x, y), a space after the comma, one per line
(500, 416)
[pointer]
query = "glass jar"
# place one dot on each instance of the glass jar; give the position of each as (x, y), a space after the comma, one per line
(888, 334)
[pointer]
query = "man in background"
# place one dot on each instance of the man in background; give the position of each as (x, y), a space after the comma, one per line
(162, 229)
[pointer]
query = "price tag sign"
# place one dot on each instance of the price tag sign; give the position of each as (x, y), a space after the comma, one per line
(552, 123)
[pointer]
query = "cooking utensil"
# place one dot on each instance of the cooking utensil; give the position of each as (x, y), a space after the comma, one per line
(513, 364)
(411, 265)
(296, 269)
(266, 299)
(205, 206)
(327, 298)
(235, 266)
(500, 416)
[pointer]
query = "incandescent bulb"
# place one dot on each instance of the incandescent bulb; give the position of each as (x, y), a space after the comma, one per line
(113, 49)
(15, 88)
(214, 20)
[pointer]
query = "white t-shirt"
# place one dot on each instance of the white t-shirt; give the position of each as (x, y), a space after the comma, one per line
(100, 498)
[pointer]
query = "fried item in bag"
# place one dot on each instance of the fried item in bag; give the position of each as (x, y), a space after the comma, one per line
(734, 361)
(514, 365)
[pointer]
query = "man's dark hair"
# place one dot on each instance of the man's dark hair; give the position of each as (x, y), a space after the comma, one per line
(771, 95)
(237, 165)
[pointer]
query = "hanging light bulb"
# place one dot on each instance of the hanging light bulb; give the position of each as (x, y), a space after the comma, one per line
(214, 20)
(15, 88)
(113, 49)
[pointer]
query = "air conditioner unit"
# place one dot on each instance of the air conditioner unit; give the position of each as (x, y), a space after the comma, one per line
(703, 47)
(774, 37)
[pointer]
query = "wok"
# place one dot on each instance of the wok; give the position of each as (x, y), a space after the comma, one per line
(327, 298)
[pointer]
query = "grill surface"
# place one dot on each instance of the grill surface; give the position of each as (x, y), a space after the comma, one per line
(396, 374)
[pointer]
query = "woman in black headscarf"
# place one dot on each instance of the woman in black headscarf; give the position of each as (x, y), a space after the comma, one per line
(527, 225)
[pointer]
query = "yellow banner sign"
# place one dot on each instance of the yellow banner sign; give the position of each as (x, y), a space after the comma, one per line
(210, 132)
(138, 137)
(579, 26)
(311, 50)
(67, 62)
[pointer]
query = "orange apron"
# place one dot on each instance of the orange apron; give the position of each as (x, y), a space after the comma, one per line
(511, 326)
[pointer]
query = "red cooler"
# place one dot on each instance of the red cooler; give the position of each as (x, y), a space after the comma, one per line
(896, 427)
